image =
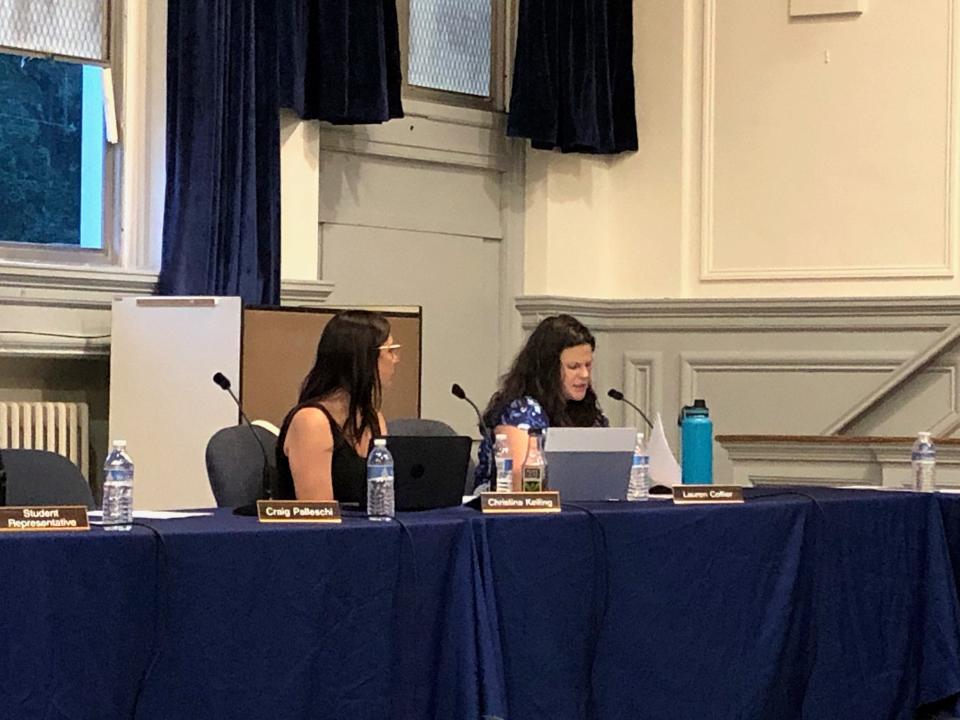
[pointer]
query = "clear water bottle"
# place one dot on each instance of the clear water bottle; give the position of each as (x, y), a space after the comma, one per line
(639, 486)
(118, 488)
(533, 475)
(504, 462)
(923, 460)
(380, 500)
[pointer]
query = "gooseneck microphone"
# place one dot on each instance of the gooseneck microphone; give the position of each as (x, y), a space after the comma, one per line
(485, 432)
(459, 393)
(617, 395)
(267, 487)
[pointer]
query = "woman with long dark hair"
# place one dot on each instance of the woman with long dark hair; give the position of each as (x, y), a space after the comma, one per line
(323, 442)
(548, 385)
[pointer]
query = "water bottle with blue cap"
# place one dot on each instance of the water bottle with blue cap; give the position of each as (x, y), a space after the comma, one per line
(696, 444)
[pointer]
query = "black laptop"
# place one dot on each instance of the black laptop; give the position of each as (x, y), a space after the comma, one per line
(429, 471)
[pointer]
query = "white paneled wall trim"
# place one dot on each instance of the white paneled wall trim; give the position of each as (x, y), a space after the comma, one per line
(722, 313)
(861, 366)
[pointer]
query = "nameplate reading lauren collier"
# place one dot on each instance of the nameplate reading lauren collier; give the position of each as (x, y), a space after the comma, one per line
(520, 502)
(300, 511)
(707, 494)
(49, 518)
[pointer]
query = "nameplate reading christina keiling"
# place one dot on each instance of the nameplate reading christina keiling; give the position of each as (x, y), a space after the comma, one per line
(707, 494)
(48, 518)
(520, 502)
(322, 511)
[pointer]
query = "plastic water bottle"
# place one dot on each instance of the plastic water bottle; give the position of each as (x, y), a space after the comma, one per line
(504, 461)
(923, 459)
(639, 486)
(380, 500)
(696, 444)
(118, 488)
(533, 475)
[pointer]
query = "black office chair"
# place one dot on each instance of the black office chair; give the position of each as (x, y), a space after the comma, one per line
(235, 464)
(431, 428)
(40, 477)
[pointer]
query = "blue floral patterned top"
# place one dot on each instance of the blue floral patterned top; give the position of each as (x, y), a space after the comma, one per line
(522, 411)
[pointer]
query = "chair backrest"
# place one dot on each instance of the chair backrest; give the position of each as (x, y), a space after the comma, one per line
(424, 426)
(419, 426)
(40, 477)
(235, 464)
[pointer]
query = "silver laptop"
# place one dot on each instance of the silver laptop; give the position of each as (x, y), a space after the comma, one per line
(590, 463)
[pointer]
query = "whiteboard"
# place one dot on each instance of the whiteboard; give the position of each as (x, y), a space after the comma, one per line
(163, 402)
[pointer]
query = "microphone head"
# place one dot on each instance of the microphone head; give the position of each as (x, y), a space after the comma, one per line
(615, 394)
(220, 379)
(458, 392)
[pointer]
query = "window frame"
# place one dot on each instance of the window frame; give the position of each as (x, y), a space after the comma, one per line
(109, 252)
(495, 102)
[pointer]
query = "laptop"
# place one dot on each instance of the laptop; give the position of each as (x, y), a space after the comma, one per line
(590, 463)
(429, 471)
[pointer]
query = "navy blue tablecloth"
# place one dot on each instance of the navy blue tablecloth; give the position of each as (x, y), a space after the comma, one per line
(798, 604)
(825, 604)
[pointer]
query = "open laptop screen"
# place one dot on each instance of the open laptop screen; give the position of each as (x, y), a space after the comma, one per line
(590, 463)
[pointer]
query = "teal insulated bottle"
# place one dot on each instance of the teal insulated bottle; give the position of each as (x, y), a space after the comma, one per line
(696, 444)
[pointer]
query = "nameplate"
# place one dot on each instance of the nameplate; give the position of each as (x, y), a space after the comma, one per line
(48, 518)
(707, 494)
(520, 502)
(320, 511)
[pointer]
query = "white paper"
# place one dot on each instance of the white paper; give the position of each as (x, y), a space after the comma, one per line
(664, 469)
(155, 514)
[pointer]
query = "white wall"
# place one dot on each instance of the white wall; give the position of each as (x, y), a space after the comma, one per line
(778, 157)
(420, 211)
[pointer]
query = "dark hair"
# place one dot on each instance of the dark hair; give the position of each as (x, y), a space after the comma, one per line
(536, 373)
(347, 357)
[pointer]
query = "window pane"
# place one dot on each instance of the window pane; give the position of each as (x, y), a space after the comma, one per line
(74, 28)
(450, 45)
(51, 152)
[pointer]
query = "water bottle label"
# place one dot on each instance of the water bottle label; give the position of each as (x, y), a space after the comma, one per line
(533, 479)
(504, 465)
(640, 460)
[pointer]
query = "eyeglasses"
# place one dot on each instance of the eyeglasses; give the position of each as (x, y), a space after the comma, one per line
(393, 349)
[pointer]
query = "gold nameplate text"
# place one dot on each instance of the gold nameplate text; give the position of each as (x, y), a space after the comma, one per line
(520, 502)
(321, 511)
(707, 494)
(48, 518)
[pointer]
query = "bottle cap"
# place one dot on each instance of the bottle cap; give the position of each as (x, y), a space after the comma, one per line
(523, 426)
(121, 444)
(501, 436)
(639, 438)
(380, 442)
(925, 436)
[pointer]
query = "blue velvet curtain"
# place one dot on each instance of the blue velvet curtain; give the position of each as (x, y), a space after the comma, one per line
(573, 76)
(341, 63)
(231, 65)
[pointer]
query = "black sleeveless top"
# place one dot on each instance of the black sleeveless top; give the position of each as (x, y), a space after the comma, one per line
(349, 468)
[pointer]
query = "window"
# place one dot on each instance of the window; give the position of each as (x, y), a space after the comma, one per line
(55, 163)
(51, 152)
(452, 51)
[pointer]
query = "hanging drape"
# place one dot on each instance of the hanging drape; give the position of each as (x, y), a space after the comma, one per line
(573, 76)
(231, 65)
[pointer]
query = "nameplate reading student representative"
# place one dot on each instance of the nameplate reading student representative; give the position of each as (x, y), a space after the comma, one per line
(707, 494)
(299, 511)
(520, 502)
(49, 518)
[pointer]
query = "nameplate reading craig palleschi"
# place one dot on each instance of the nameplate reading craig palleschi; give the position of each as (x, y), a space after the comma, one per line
(298, 511)
(49, 518)
(520, 502)
(707, 494)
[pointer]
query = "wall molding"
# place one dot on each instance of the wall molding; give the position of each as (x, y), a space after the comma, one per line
(708, 270)
(629, 315)
(643, 386)
(305, 293)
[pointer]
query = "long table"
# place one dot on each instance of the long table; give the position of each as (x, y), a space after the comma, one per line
(807, 604)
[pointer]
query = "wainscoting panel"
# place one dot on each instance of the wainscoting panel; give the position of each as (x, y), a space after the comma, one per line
(776, 367)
